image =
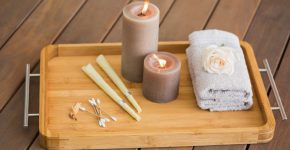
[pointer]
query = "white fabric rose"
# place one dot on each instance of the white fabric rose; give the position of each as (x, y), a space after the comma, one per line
(219, 59)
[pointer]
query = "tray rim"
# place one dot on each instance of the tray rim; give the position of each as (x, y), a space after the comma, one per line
(266, 131)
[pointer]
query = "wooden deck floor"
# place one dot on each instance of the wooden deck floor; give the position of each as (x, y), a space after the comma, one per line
(28, 25)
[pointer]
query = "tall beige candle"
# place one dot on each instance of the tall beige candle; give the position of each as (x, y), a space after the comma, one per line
(140, 37)
(161, 77)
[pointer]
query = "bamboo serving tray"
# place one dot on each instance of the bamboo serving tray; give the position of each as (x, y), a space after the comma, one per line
(178, 123)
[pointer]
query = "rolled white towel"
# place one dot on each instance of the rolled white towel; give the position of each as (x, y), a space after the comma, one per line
(223, 86)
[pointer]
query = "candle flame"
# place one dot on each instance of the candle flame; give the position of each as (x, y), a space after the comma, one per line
(145, 7)
(162, 62)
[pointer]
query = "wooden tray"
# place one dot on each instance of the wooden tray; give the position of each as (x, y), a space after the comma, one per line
(178, 123)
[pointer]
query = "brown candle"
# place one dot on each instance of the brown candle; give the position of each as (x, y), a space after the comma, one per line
(161, 77)
(140, 37)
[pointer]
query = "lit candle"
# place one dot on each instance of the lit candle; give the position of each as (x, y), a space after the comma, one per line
(97, 78)
(161, 77)
(140, 37)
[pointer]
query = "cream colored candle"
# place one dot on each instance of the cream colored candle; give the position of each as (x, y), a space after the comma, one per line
(104, 64)
(97, 78)
(161, 77)
(140, 37)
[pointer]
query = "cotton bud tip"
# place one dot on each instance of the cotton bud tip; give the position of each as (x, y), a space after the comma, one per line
(107, 119)
(82, 108)
(100, 124)
(114, 118)
(98, 101)
(92, 102)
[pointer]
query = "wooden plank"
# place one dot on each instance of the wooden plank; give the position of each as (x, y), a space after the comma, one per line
(35, 145)
(115, 34)
(184, 17)
(13, 134)
(40, 29)
(91, 25)
(281, 140)
(13, 13)
(233, 16)
(269, 32)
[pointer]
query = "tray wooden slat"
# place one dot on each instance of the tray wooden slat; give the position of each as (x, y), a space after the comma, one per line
(178, 123)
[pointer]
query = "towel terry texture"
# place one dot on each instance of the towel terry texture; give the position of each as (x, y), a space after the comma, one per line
(213, 91)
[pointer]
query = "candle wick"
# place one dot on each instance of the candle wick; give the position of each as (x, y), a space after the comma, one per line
(161, 62)
(145, 8)
(141, 14)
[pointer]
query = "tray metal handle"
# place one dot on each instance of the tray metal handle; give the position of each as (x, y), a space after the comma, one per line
(280, 107)
(26, 98)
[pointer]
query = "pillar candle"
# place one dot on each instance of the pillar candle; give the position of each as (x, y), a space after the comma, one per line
(161, 77)
(139, 38)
